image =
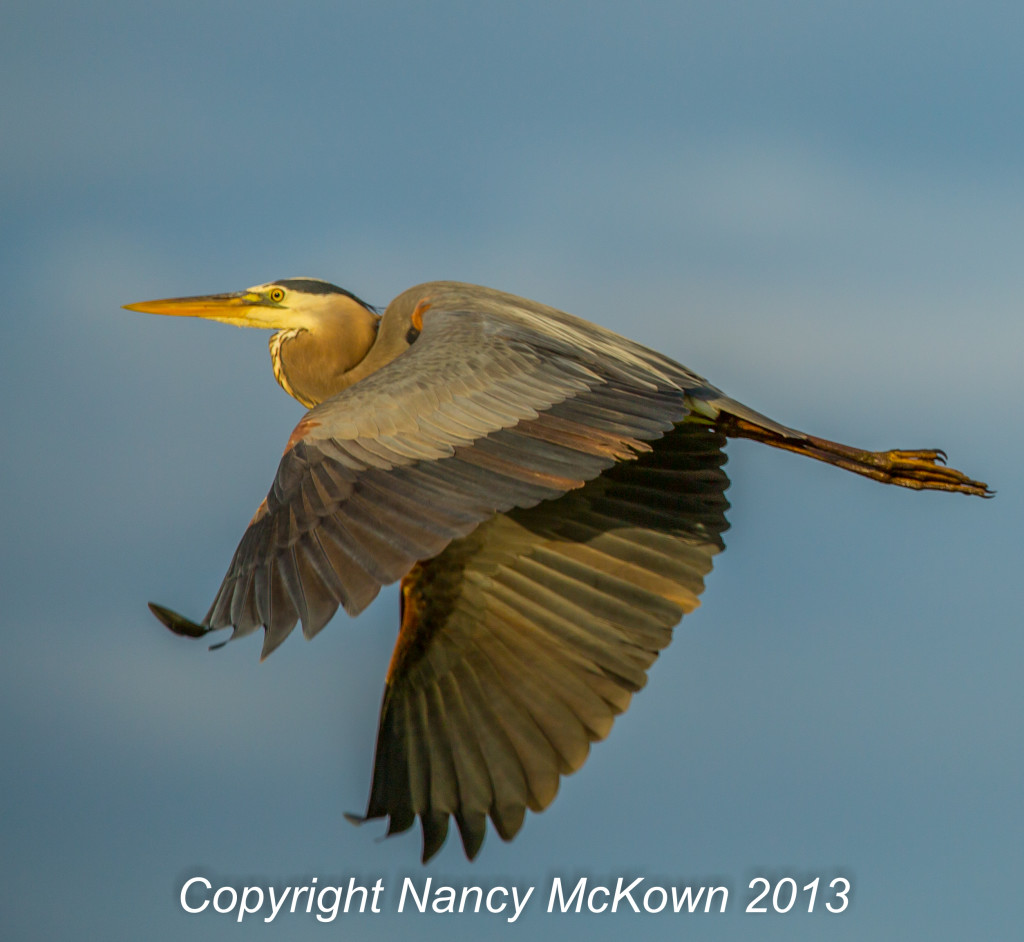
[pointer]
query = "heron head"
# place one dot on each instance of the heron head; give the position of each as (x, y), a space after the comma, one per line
(289, 304)
(322, 331)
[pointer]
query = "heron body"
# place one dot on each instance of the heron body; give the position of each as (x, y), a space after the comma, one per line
(550, 495)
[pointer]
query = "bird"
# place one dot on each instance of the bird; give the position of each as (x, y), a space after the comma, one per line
(549, 494)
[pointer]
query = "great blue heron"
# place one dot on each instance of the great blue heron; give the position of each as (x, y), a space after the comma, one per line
(550, 495)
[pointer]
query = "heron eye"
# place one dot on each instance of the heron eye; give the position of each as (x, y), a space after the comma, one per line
(276, 294)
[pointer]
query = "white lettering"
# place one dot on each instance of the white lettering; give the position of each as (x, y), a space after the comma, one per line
(519, 906)
(625, 894)
(711, 895)
(298, 892)
(409, 887)
(448, 892)
(564, 904)
(353, 888)
(590, 899)
(329, 913)
(243, 909)
(664, 899)
(466, 890)
(687, 899)
(490, 893)
(231, 905)
(275, 903)
(184, 893)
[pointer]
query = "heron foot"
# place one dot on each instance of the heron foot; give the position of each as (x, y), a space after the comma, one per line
(922, 469)
(919, 469)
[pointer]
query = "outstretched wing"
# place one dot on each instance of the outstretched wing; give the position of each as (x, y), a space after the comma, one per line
(521, 642)
(499, 403)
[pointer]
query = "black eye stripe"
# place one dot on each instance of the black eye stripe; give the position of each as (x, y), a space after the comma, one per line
(312, 286)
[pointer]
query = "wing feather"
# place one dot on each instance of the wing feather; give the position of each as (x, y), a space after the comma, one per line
(522, 641)
(494, 407)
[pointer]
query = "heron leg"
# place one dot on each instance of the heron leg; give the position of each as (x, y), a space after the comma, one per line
(920, 469)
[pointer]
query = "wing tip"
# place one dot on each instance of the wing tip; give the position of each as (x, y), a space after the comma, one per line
(179, 624)
(434, 825)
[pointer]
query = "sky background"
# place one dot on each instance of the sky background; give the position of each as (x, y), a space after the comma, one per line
(817, 205)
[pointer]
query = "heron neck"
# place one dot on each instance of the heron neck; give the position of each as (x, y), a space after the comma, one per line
(313, 364)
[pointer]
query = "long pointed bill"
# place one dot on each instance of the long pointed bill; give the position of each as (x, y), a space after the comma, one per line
(240, 308)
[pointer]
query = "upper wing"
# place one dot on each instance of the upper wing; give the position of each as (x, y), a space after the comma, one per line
(521, 642)
(499, 403)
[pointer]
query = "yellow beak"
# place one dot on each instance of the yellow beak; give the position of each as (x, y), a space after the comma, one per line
(235, 308)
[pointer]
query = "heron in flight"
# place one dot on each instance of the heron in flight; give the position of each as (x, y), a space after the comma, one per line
(550, 495)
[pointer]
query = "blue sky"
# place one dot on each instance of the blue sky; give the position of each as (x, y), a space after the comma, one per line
(816, 205)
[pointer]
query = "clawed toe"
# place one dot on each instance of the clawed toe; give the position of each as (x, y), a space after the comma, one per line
(926, 469)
